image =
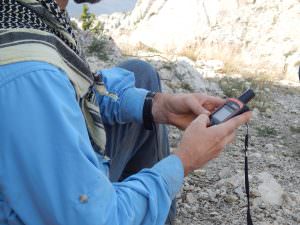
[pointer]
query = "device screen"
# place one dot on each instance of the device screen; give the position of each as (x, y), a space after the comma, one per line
(223, 113)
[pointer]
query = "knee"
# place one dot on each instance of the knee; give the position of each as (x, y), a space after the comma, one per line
(138, 66)
(146, 75)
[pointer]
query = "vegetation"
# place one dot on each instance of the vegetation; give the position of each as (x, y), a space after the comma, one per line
(186, 86)
(169, 65)
(89, 21)
(97, 48)
(98, 45)
(190, 52)
(130, 50)
(266, 131)
(295, 129)
(233, 87)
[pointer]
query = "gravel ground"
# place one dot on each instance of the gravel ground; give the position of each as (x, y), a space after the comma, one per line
(215, 194)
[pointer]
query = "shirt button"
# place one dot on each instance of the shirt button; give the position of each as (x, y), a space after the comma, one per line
(83, 198)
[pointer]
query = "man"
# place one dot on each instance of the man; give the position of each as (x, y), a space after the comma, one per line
(53, 155)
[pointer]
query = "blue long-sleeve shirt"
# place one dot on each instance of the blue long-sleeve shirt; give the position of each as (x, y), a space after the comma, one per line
(49, 173)
(129, 106)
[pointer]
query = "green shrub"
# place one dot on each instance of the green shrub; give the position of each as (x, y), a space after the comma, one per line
(266, 131)
(295, 129)
(97, 48)
(234, 87)
(89, 21)
(98, 45)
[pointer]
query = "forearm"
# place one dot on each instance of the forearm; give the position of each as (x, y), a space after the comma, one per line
(128, 107)
(149, 193)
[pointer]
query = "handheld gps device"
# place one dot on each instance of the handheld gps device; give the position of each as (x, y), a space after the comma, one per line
(232, 108)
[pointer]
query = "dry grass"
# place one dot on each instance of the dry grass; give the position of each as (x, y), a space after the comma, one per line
(190, 51)
(262, 86)
(131, 50)
(228, 54)
(233, 58)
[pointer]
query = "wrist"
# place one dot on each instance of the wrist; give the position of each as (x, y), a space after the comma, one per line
(158, 108)
(186, 163)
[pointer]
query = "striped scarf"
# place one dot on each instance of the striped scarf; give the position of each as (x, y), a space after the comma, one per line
(46, 16)
(37, 30)
(43, 15)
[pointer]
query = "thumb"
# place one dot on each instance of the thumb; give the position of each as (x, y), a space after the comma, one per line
(203, 120)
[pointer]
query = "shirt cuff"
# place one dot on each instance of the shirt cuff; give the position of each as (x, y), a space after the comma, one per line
(172, 171)
(132, 104)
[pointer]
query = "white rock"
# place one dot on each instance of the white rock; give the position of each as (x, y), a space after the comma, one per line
(191, 198)
(264, 223)
(200, 171)
(212, 195)
(270, 190)
(269, 112)
(236, 180)
(269, 147)
(239, 191)
(225, 173)
(256, 155)
(255, 113)
(185, 71)
(203, 196)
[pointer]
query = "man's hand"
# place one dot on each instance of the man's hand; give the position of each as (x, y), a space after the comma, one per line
(181, 109)
(200, 143)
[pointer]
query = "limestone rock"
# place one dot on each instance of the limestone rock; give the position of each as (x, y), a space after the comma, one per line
(269, 147)
(190, 198)
(256, 36)
(270, 190)
(225, 173)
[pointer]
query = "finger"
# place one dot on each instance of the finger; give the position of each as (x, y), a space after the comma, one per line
(210, 102)
(195, 107)
(204, 111)
(225, 141)
(216, 101)
(229, 126)
(202, 120)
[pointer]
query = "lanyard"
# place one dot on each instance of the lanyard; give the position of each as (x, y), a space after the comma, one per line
(249, 219)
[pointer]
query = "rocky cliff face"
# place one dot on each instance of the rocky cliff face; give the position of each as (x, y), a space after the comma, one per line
(252, 36)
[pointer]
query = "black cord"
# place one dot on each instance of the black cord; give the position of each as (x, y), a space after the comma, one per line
(249, 219)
